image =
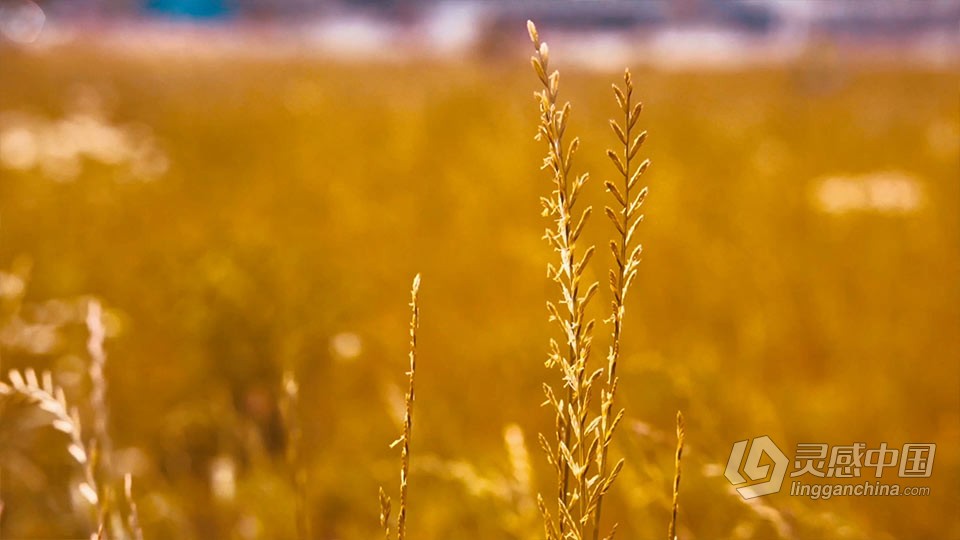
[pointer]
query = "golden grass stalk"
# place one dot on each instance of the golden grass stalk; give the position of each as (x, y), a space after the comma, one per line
(404, 439)
(574, 452)
(385, 513)
(672, 531)
(521, 470)
(100, 443)
(41, 392)
(133, 515)
(289, 407)
(626, 255)
(98, 383)
(408, 408)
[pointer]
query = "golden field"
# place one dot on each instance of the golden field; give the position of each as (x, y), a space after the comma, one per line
(241, 217)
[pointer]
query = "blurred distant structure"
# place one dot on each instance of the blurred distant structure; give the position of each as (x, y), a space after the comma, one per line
(678, 33)
(202, 9)
(839, 17)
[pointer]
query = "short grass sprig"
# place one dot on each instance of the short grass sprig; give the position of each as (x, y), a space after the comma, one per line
(681, 435)
(626, 256)
(385, 513)
(404, 440)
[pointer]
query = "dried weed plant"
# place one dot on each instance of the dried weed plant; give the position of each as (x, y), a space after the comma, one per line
(404, 440)
(583, 438)
(577, 437)
(100, 443)
(626, 255)
(41, 392)
(92, 452)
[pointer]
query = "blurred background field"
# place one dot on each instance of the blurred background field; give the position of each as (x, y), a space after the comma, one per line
(242, 214)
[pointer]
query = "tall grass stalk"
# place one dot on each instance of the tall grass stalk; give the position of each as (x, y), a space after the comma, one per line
(626, 251)
(576, 443)
(101, 447)
(581, 451)
(404, 440)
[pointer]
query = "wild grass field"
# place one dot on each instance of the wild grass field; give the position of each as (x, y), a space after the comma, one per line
(239, 218)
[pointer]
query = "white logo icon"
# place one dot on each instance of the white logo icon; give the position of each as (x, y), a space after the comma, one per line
(760, 480)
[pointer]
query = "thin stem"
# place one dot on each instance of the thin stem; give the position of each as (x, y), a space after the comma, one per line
(626, 260)
(672, 531)
(100, 444)
(133, 518)
(408, 409)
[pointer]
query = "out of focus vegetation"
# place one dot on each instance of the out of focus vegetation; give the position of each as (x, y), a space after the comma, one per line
(241, 217)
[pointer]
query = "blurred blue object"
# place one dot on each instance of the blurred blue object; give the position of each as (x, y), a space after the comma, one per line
(190, 9)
